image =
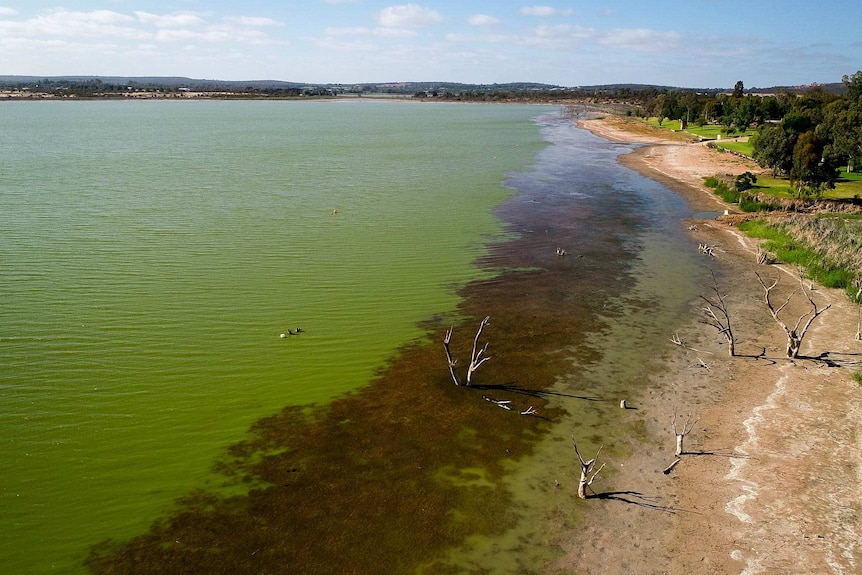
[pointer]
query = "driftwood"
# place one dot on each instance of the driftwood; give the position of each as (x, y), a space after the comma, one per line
(676, 340)
(762, 257)
(587, 473)
(796, 333)
(670, 467)
(707, 249)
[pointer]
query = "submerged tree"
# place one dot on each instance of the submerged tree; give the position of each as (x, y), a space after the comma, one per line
(477, 356)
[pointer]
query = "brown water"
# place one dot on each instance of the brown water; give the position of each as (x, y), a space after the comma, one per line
(413, 474)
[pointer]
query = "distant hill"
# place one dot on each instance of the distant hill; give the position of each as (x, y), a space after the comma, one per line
(194, 83)
(166, 81)
(175, 82)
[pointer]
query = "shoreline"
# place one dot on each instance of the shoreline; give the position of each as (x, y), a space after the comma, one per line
(761, 487)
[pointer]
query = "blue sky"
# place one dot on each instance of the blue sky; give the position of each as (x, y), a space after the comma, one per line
(691, 43)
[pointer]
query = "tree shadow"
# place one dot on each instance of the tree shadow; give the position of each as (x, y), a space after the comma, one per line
(833, 359)
(759, 356)
(634, 498)
(540, 393)
(722, 452)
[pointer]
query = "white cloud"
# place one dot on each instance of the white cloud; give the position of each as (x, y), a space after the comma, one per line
(66, 23)
(482, 20)
(565, 31)
(545, 11)
(408, 16)
(219, 34)
(176, 20)
(377, 32)
(253, 21)
(484, 38)
(642, 39)
(5, 11)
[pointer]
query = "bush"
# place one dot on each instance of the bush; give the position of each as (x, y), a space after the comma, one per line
(744, 181)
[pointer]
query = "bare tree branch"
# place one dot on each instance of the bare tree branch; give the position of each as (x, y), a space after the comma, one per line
(795, 334)
(680, 434)
(477, 357)
(720, 320)
(586, 480)
(446, 339)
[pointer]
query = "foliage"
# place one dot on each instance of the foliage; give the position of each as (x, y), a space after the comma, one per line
(744, 181)
(773, 148)
(811, 170)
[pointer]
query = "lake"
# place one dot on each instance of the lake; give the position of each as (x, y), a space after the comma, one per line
(153, 255)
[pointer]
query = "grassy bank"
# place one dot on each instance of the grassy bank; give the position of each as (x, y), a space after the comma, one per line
(825, 246)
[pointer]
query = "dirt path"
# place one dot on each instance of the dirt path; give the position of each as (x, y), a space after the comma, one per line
(772, 481)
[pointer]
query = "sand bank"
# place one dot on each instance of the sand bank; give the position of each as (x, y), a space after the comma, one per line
(772, 482)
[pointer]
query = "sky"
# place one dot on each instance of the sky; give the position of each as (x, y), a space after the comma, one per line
(686, 43)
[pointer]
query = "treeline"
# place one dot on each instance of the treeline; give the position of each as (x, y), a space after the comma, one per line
(806, 137)
(818, 134)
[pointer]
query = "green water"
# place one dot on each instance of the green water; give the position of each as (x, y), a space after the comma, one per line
(151, 254)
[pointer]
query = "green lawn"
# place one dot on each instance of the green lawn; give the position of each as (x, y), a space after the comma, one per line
(707, 132)
(743, 148)
(848, 186)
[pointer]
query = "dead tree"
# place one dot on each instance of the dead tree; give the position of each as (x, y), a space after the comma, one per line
(587, 473)
(796, 333)
(446, 339)
(680, 434)
(477, 356)
(718, 316)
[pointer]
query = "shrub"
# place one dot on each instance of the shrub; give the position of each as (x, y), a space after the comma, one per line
(744, 181)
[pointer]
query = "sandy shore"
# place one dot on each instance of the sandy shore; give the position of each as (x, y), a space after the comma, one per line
(772, 481)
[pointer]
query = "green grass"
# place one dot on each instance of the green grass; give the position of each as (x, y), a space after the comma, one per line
(707, 131)
(847, 187)
(744, 148)
(779, 187)
(789, 251)
(857, 377)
